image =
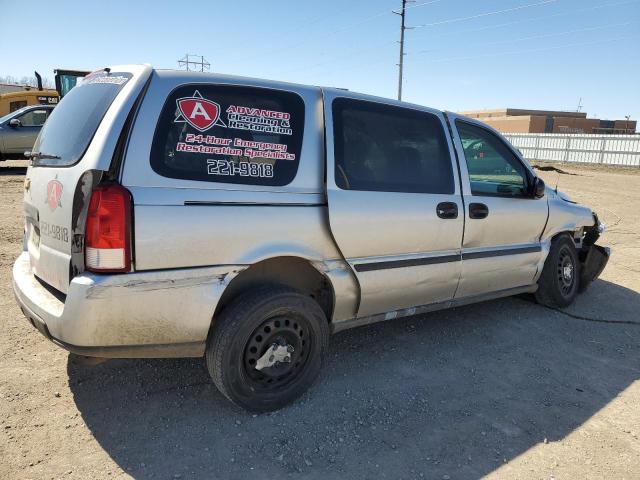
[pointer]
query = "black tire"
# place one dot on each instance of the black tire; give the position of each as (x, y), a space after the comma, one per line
(252, 324)
(560, 279)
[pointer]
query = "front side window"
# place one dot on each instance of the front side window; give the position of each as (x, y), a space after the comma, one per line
(493, 167)
(389, 149)
(33, 118)
(229, 134)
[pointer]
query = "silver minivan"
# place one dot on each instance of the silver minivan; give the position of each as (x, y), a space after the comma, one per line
(181, 214)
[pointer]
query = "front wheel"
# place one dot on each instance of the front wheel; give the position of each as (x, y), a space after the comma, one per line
(267, 348)
(558, 284)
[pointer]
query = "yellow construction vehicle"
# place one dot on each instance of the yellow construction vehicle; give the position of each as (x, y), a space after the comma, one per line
(28, 95)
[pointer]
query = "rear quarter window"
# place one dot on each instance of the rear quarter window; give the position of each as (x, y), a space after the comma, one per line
(229, 134)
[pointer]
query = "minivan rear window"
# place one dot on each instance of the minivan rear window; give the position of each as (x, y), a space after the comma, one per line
(229, 134)
(73, 123)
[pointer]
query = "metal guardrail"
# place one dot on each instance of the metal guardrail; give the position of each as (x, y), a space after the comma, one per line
(618, 150)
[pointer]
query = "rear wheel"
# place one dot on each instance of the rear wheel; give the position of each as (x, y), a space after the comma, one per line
(558, 284)
(267, 348)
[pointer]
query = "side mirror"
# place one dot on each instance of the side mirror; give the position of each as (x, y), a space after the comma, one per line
(538, 188)
(14, 123)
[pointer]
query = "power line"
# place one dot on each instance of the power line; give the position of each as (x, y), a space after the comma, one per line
(402, 29)
(532, 19)
(533, 50)
(338, 30)
(340, 58)
(486, 14)
(349, 55)
(186, 62)
(402, 14)
(518, 52)
(544, 35)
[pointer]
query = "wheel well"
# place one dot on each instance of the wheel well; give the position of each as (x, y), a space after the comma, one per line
(292, 272)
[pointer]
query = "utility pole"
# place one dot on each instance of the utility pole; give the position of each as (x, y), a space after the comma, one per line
(400, 64)
(186, 61)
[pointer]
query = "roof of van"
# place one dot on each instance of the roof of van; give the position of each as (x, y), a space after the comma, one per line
(200, 76)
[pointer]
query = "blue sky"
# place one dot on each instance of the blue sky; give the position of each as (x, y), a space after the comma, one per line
(531, 54)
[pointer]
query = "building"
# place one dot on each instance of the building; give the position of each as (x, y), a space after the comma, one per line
(516, 120)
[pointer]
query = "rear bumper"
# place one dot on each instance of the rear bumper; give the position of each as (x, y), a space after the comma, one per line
(148, 314)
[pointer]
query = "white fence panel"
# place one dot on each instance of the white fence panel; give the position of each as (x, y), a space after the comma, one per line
(623, 150)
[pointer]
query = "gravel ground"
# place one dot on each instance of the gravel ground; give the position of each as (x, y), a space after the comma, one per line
(504, 389)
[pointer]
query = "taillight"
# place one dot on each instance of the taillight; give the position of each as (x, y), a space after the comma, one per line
(108, 231)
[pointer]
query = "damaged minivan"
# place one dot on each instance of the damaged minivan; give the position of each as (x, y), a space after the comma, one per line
(182, 214)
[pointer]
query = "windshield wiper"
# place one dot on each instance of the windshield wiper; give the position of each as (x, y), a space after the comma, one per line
(41, 156)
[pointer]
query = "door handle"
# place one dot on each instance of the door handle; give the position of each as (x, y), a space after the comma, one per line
(478, 210)
(447, 210)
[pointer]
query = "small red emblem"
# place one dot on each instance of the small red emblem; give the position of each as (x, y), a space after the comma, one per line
(200, 113)
(54, 193)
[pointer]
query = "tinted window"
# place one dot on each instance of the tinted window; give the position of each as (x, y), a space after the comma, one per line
(493, 168)
(389, 149)
(230, 134)
(74, 121)
(33, 118)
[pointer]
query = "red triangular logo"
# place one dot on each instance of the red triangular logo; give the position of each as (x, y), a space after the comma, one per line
(200, 113)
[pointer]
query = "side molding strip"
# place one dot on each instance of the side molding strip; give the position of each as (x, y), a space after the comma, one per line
(413, 262)
(410, 262)
(501, 253)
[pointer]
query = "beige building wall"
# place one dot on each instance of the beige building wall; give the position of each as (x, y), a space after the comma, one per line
(514, 120)
(508, 124)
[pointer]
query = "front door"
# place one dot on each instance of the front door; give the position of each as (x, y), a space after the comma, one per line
(504, 222)
(395, 206)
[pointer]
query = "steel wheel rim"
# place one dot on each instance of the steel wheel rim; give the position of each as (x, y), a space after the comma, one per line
(566, 272)
(288, 329)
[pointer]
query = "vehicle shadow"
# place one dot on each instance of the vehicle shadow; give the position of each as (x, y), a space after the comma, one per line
(453, 393)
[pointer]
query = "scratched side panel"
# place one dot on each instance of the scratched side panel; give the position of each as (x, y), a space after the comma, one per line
(192, 236)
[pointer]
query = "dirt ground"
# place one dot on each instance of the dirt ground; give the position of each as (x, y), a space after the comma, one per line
(504, 389)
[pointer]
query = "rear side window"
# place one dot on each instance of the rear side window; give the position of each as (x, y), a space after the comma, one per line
(229, 134)
(389, 149)
(72, 124)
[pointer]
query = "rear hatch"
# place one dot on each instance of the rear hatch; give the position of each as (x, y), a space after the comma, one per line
(74, 149)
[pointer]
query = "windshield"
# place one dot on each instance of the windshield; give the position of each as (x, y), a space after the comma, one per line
(72, 124)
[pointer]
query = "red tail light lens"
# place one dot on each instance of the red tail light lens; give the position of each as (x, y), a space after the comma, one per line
(108, 230)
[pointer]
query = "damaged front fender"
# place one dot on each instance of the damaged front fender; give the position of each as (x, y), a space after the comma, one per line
(593, 258)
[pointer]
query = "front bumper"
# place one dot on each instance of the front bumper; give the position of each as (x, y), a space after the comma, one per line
(593, 265)
(147, 314)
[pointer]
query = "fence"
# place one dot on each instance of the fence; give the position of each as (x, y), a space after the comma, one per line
(620, 150)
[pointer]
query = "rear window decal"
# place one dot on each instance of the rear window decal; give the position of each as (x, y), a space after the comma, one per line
(211, 144)
(242, 169)
(200, 113)
(229, 134)
(258, 120)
